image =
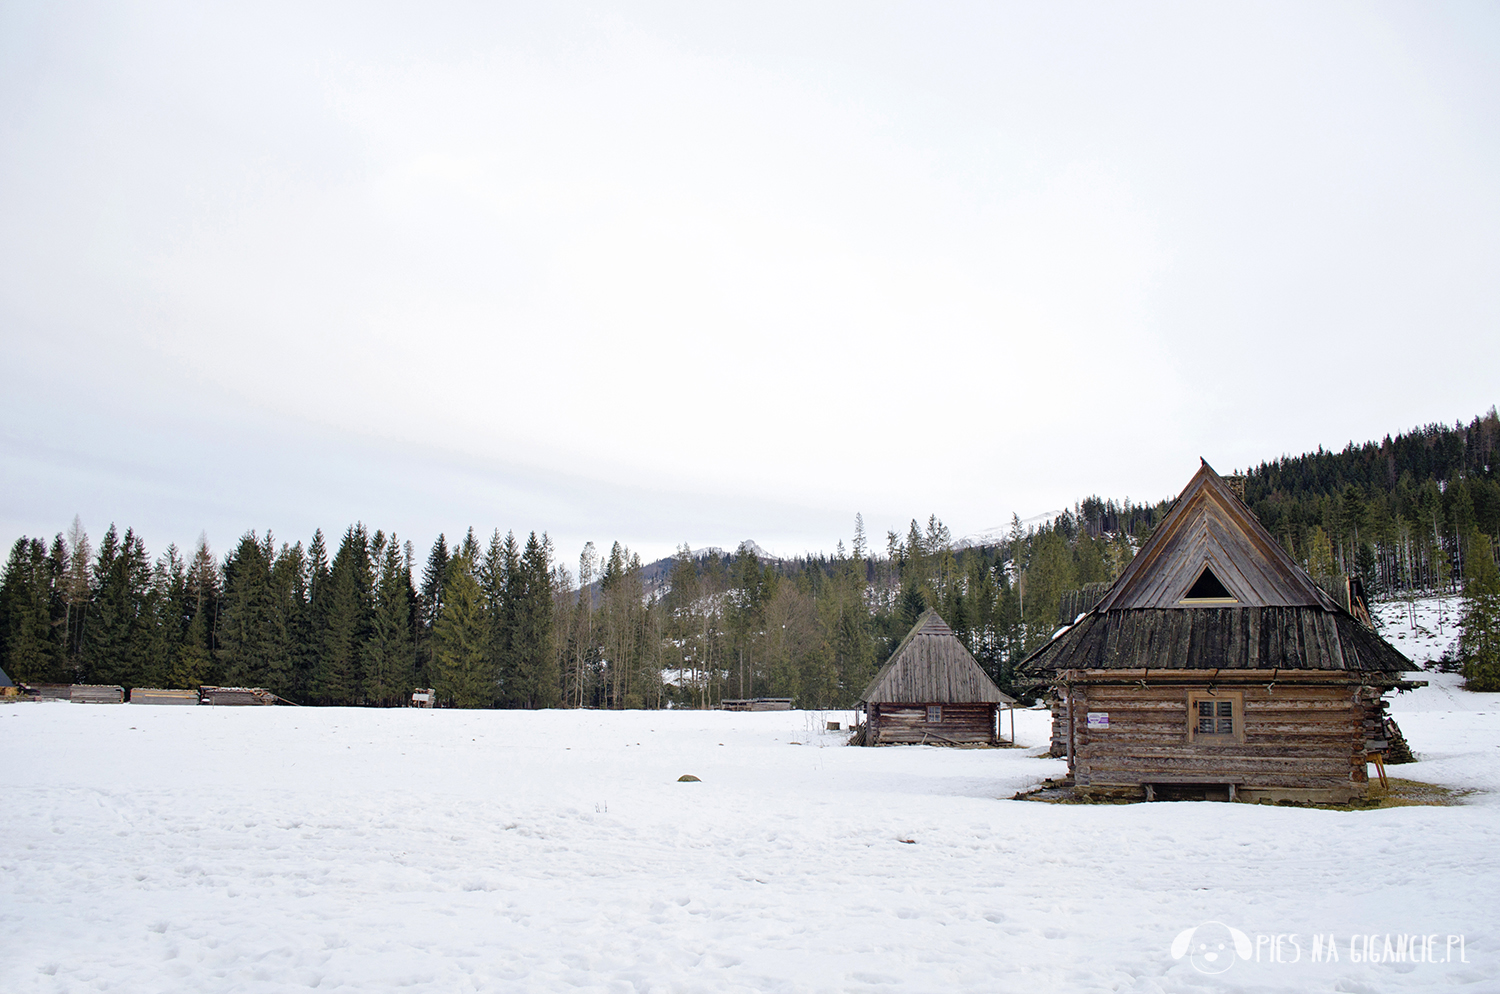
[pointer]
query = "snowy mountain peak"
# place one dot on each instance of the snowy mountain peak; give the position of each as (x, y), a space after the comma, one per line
(999, 533)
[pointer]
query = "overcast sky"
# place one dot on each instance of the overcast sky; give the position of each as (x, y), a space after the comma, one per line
(691, 272)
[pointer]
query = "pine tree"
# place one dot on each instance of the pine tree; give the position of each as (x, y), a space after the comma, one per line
(584, 686)
(1048, 575)
(1320, 555)
(682, 607)
(621, 629)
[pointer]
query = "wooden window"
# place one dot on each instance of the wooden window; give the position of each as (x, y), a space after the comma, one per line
(934, 713)
(1216, 718)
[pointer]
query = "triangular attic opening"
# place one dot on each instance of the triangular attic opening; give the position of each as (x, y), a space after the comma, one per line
(1208, 588)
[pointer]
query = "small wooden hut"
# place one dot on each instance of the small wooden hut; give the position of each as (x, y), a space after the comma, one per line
(1215, 667)
(932, 691)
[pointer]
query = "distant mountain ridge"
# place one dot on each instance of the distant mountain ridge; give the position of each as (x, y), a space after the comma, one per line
(999, 533)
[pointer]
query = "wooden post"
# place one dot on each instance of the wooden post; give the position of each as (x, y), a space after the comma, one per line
(1070, 728)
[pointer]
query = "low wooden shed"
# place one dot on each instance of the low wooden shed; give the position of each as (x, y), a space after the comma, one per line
(1215, 667)
(96, 693)
(932, 692)
(156, 695)
(235, 696)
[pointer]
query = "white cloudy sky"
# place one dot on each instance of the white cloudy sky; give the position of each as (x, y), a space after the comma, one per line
(699, 272)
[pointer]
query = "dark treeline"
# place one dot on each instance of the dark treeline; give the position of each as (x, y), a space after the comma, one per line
(503, 625)
(350, 628)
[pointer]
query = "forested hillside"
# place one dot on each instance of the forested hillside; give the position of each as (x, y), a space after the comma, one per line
(1399, 512)
(502, 623)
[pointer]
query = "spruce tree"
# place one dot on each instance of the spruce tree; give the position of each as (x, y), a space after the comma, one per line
(430, 608)
(290, 580)
(29, 650)
(342, 621)
(493, 572)
(288, 614)
(117, 632)
(1479, 643)
(169, 600)
(462, 674)
(534, 664)
(390, 661)
(193, 665)
(252, 625)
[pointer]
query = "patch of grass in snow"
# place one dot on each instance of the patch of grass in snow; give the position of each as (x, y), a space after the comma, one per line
(1407, 793)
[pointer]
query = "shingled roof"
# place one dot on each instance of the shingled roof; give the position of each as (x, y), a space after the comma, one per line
(932, 666)
(1211, 589)
(1209, 528)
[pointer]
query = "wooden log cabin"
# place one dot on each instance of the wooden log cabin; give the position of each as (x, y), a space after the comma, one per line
(932, 692)
(1214, 667)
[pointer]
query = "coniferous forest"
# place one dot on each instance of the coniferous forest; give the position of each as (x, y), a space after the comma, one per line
(504, 623)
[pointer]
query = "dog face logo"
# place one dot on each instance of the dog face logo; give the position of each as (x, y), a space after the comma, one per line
(1212, 946)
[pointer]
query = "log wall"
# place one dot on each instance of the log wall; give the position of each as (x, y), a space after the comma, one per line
(1297, 738)
(90, 693)
(907, 724)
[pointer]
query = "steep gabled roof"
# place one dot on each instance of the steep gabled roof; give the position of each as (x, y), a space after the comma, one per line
(5, 680)
(931, 666)
(1210, 539)
(1211, 589)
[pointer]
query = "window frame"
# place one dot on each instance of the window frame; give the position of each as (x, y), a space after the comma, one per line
(1236, 700)
(934, 714)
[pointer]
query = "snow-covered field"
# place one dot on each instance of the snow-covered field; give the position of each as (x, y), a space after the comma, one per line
(272, 849)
